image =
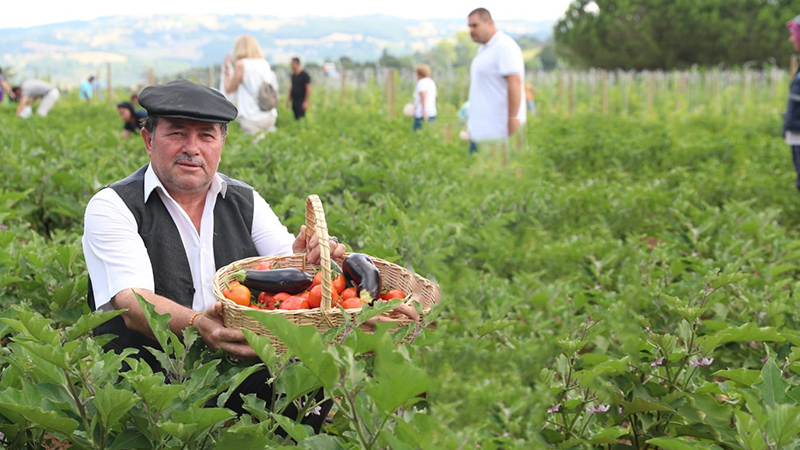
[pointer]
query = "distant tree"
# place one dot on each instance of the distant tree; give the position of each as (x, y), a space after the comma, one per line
(465, 49)
(348, 63)
(387, 60)
(667, 34)
(547, 57)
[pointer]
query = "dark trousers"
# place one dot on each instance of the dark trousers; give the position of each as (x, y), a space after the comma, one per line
(419, 120)
(297, 109)
(257, 384)
(796, 161)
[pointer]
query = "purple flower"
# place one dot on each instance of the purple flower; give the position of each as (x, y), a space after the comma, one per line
(764, 359)
(657, 362)
(3, 227)
(598, 409)
(554, 408)
(701, 362)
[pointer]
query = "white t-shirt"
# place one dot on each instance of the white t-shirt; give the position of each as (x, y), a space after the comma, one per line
(488, 89)
(117, 258)
(255, 71)
(428, 86)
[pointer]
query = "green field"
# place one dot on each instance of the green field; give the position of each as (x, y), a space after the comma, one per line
(632, 273)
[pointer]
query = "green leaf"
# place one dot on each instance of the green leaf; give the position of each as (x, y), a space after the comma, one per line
(609, 435)
(129, 439)
(397, 381)
(639, 405)
(747, 332)
(112, 404)
(295, 430)
(27, 403)
(86, 323)
(585, 377)
(323, 442)
(783, 425)
(743, 376)
(295, 380)
(303, 342)
(681, 444)
(748, 432)
(773, 386)
(50, 353)
(187, 424)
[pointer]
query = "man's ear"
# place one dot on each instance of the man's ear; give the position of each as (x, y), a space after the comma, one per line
(147, 138)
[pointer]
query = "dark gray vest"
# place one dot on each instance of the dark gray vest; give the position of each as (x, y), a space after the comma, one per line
(233, 219)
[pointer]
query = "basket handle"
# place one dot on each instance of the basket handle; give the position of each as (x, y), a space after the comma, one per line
(315, 221)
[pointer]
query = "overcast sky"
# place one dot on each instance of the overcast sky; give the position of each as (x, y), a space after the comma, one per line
(36, 13)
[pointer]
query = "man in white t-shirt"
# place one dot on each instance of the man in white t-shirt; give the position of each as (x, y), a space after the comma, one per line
(497, 74)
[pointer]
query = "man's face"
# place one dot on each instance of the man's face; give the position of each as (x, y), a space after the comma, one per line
(124, 114)
(184, 154)
(480, 31)
(794, 42)
(295, 67)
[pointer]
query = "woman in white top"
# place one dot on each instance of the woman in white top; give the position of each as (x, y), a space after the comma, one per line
(248, 71)
(424, 96)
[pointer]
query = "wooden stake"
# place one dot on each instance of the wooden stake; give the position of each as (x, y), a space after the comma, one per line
(571, 91)
(211, 76)
(605, 92)
(649, 106)
(745, 83)
(151, 76)
(343, 85)
(448, 133)
(793, 65)
(108, 88)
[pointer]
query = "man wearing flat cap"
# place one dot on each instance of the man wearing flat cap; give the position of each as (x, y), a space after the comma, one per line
(165, 230)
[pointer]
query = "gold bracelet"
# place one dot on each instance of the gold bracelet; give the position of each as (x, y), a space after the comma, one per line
(191, 321)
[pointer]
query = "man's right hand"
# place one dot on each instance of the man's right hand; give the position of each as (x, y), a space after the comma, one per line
(216, 336)
(513, 125)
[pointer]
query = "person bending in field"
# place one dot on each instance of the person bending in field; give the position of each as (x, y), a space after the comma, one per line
(132, 120)
(791, 120)
(32, 90)
(163, 232)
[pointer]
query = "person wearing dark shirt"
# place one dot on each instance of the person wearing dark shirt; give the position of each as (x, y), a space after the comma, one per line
(300, 91)
(131, 118)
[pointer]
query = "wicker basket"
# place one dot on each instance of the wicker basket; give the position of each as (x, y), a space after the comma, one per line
(324, 317)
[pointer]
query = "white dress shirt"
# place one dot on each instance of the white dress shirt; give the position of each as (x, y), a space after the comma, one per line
(117, 258)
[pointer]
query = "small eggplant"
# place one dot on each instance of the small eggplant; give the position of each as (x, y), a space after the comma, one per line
(291, 281)
(359, 269)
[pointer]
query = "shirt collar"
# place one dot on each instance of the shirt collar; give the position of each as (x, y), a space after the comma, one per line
(151, 182)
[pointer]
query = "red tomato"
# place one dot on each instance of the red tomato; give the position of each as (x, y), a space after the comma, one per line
(266, 300)
(280, 297)
(264, 266)
(351, 303)
(393, 293)
(315, 296)
(293, 303)
(337, 279)
(339, 283)
(317, 279)
(349, 293)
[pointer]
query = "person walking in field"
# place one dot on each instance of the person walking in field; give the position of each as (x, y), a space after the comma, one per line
(424, 97)
(791, 120)
(243, 76)
(32, 90)
(496, 89)
(300, 91)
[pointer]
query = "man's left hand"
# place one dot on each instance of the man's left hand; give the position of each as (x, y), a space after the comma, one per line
(337, 250)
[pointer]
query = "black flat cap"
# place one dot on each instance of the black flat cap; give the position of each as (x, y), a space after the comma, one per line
(183, 99)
